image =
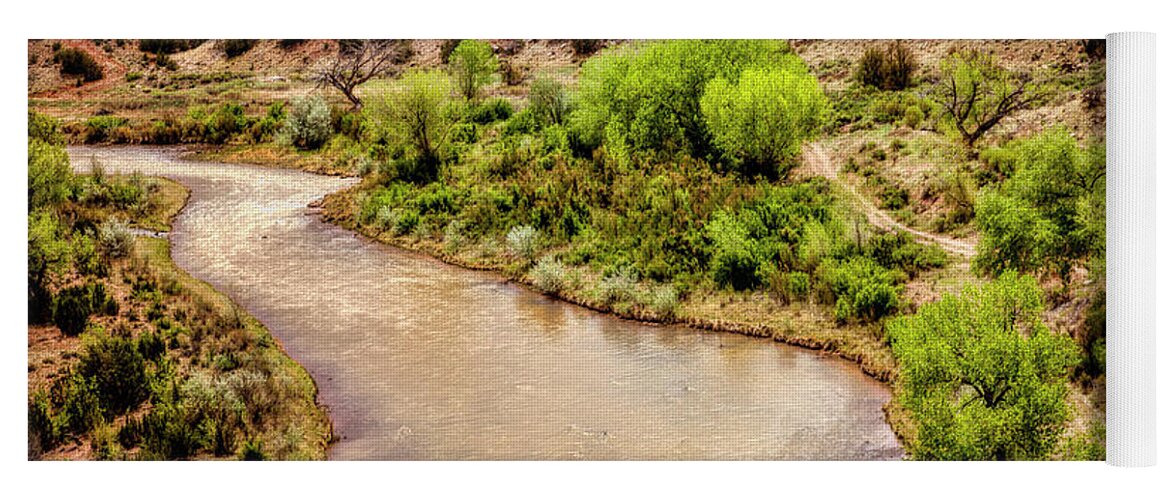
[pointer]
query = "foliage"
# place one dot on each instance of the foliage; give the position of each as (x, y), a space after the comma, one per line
(49, 173)
(418, 115)
(472, 65)
(114, 238)
(1050, 213)
(164, 46)
(618, 286)
(117, 370)
(643, 97)
(975, 93)
(236, 47)
(663, 300)
(549, 275)
(524, 242)
(72, 309)
(982, 375)
(490, 111)
(760, 121)
(75, 62)
(863, 289)
(585, 46)
(548, 101)
(307, 124)
(887, 69)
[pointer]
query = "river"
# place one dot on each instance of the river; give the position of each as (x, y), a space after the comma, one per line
(421, 360)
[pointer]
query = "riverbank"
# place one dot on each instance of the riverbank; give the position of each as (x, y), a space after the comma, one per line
(202, 362)
(757, 315)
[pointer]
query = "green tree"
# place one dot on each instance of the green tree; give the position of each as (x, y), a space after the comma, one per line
(1050, 214)
(472, 64)
(49, 175)
(759, 121)
(975, 93)
(646, 96)
(418, 114)
(982, 375)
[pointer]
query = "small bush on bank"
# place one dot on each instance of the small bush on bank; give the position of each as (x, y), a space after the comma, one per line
(118, 371)
(75, 62)
(523, 242)
(549, 275)
(307, 125)
(663, 300)
(115, 239)
(618, 286)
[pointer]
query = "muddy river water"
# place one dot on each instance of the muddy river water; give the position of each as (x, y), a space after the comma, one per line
(417, 359)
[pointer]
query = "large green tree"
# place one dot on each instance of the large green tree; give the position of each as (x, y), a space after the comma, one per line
(647, 96)
(1050, 212)
(982, 375)
(760, 121)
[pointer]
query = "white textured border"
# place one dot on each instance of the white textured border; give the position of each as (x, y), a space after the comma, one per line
(1130, 249)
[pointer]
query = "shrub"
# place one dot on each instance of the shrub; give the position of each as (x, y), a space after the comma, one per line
(523, 242)
(585, 46)
(863, 289)
(43, 433)
(75, 62)
(618, 286)
(252, 451)
(760, 121)
(913, 117)
(81, 406)
(472, 65)
(72, 309)
(49, 174)
(115, 238)
(663, 300)
(548, 101)
(417, 115)
(307, 125)
(549, 275)
(233, 48)
(888, 69)
(118, 371)
(164, 46)
(490, 111)
(99, 128)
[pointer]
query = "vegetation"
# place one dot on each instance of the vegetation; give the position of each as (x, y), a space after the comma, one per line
(472, 64)
(75, 62)
(165, 367)
(975, 93)
(360, 61)
(307, 125)
(236, 47)
(887, 69)
(417, 117)
(983, 375)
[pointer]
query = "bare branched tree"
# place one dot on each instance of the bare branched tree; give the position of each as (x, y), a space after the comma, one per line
(358, 61)
(975, 93)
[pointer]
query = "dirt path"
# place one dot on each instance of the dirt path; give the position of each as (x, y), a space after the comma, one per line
(819, 163)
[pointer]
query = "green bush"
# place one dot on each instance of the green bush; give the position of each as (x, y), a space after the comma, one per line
(618, 286)
(307, 125)
(890, 68)
(646, 96)
(913, 117)
(76, 62)
(417, 116)
(760, 121)
(72, 309)
(523, 242)
(549, 101)
(983, 377)
(663, 300)
(117, 370)
(862, 289)
(233, 48)
(99, 128)
(490, 111)
(549, 275)
(50, 175)
(43, 433)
